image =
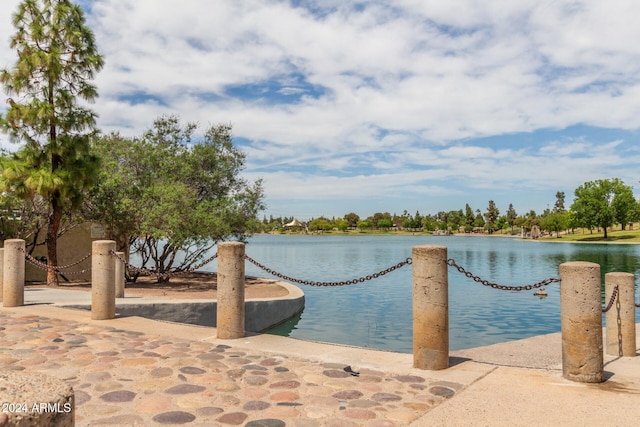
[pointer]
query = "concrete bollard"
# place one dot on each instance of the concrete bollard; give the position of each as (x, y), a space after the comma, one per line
(430, 307)
(1, 273)
(621, 317)
(103, 278)
(119, 275)
(581, 319)
(13, 273)
(230, 311)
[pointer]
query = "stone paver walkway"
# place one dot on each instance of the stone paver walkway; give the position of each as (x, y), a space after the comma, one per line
(129, 378)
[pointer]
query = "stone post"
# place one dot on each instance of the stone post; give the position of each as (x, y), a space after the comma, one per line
(230, 310)
(103, 278)
(621, 317)
(119, 275)
(581, 318)
(13, 273)
(1, 273)
(430, 307)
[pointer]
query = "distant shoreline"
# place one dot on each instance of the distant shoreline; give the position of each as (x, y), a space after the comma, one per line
(422, 233)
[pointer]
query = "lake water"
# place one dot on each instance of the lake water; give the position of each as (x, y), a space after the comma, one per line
(378, 313)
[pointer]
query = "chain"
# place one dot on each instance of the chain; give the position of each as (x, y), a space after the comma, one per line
(341, 283)
(56, 268)
(140, 271)
(614, 294)
(64, 267)
(477, 279)
(147, 272)
(202, 264)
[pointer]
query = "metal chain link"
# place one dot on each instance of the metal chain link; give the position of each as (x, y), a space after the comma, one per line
(614, 294)
(56, 268)
(203, 263)
(477, 279)
(147, 272)
(340, 283)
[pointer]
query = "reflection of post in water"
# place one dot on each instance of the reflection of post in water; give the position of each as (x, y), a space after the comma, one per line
(493, 262)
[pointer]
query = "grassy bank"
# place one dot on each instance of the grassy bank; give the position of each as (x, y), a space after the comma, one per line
(585, 236)
(619, 236)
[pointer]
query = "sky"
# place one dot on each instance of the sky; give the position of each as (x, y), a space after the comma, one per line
(383, 106)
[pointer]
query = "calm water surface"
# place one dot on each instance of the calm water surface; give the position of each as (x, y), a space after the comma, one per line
(377, 313)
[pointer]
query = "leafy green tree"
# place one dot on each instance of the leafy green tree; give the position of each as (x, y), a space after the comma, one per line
(365, 224)
(429, 223)
(385, 224)
(600, 203)
(442, 217)
(479, 220)
(555, 222)
(624, 204)
(320, 224)
(412, 223)
(352, 219)
(455, 219)
(173, 198)
(502, 223)
(380, 216)
(341, 224)
(57, 58)
(115, 200)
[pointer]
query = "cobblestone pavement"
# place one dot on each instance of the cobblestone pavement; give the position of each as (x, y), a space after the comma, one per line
(130, 378)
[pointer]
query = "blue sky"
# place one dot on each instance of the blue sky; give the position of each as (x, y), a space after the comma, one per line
(384, 106)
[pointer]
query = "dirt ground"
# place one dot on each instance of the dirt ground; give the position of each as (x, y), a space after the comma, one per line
(183, 286)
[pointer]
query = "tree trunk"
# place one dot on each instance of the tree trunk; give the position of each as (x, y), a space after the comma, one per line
(52, 239)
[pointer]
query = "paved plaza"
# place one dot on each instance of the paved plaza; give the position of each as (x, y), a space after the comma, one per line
(132, 371)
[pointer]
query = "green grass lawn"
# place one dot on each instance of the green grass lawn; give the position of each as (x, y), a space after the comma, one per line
(616, 236)
(580, 235)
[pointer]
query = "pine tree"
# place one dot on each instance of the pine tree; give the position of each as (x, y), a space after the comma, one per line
(57, 58)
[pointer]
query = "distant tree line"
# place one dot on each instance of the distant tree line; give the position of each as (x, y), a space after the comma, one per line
(597, 205)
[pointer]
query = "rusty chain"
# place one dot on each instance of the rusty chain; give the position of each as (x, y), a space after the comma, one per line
(614, 294)
(340, 283)
(477, 279)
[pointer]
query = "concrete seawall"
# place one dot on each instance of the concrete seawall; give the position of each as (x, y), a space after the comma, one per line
(260, 313)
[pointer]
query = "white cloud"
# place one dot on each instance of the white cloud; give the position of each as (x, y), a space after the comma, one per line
(390, 98)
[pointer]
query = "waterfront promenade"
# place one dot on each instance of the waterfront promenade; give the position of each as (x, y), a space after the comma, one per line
(132, 371)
